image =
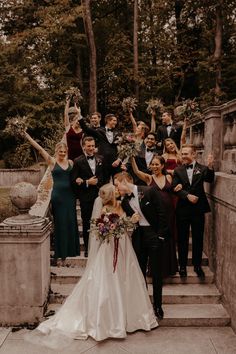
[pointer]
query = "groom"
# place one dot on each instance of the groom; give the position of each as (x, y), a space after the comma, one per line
(152, 230)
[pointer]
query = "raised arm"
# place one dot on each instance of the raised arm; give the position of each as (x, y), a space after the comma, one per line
(183, 134)
(140, 174)
(153, 121)
(133, 121)
(48, 159)
(66, 114)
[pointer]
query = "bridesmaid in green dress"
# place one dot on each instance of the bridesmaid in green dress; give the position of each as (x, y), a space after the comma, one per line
(63, 201)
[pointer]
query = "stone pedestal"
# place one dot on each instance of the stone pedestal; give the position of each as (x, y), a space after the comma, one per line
(213, 135)
(25, 269)
(24, 261)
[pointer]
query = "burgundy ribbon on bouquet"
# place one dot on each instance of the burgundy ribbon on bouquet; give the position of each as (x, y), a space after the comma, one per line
(115, 253)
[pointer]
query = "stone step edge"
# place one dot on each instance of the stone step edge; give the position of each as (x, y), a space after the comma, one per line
(191, 315)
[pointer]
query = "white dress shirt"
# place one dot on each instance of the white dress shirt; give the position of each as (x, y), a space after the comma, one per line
(190, 172)
(92, 164)
(134, 203)
(148, 156)
(168, 129)
(109, 135)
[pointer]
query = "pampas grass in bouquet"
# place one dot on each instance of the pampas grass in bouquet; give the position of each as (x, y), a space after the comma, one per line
(188, 109)
(129, 104)
(74, 94)
(154, 105)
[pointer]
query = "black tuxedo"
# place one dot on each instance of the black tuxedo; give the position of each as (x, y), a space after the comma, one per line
(105, 148)
(175, 134)
(141, 163)
(148, 240)
(87, 194)
(189, 214)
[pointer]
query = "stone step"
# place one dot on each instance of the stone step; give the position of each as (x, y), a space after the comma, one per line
(81, 261)
(172, 293)
(71, 275)
(187, 315)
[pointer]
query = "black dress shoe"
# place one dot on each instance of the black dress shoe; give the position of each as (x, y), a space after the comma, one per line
(182, 272)
(159, 313)
(199, 272)
(86, 254)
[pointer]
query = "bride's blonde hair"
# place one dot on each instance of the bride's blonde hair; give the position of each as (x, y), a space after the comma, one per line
(107, 193)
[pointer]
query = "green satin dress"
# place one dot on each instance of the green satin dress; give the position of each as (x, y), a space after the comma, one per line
(66, 235)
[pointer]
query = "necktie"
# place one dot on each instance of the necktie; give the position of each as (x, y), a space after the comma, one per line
(109, 130)
(168, 125)
(90, 157)
(189, 166)
(129, 196)
(150, 150)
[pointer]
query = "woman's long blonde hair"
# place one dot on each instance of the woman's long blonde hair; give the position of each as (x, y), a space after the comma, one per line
(177, 151)
(108, 194)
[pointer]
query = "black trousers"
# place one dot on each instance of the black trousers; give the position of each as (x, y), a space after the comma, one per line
(86, 208)
(197, 222)
(149, 248)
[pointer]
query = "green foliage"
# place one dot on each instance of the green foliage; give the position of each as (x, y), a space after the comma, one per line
(43, 52)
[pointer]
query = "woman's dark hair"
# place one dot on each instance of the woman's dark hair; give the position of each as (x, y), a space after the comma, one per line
(162, 162)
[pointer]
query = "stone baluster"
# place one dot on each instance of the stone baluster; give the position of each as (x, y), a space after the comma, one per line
(227, 134)
(25, 261)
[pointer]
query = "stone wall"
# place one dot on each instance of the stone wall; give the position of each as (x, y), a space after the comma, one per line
(220, 238)
(9, 177)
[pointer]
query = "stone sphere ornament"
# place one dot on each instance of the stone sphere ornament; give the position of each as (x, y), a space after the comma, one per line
(23, 196)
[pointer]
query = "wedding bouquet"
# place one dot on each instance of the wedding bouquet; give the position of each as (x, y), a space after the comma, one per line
(16, 126)
(188, 109)
(75, 94)
(128, 146)
(154, 104)
(108, 226)
(129, 104)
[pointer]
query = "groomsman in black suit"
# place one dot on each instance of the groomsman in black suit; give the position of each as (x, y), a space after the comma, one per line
(168, 129)
(144, 157)
(191, 206)
(87, 177)
(106, 142)
(153, 229)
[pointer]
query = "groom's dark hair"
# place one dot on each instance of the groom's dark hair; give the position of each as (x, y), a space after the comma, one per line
(123, 176)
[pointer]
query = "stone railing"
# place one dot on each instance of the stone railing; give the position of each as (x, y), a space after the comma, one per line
(9, 177)
(40, 208)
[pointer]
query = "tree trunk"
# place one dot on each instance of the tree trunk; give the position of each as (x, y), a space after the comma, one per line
(135, 48)
(78, 73)
(92, 55)
(218, 49)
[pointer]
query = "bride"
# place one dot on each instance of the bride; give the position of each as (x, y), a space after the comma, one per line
(104, 303)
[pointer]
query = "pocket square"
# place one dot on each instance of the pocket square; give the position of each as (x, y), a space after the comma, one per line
(197, 172)
(147, 203)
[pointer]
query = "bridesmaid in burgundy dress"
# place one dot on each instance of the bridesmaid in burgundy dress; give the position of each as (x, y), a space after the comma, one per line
(74, 133)
(162, 182)
(171, 155)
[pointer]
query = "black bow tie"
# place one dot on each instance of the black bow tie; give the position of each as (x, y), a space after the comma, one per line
(150, 150)
(90, 157)
(168, 125)
(189, 166)
(109, 130)
(129, 196)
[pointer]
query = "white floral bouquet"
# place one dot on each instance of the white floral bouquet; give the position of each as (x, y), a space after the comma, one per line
(128, 146)
(188, 109)
(74, 94)
(129, 104)
(154, 104)
(17, 126)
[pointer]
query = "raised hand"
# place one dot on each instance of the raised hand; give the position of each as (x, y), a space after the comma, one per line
(210, 161)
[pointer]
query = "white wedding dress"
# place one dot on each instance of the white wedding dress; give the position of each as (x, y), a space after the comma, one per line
(104, 304)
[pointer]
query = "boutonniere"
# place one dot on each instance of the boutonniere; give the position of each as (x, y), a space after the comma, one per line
(140, 195)
(196, 171)
(98, 162)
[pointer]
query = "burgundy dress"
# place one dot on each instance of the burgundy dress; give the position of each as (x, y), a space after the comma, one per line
(171, 164)
(74, 143)
(170, 265)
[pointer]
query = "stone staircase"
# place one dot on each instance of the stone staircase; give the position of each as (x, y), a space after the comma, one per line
(187, 301)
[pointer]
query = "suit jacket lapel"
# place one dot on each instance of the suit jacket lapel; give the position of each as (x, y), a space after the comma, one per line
(184, 174)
